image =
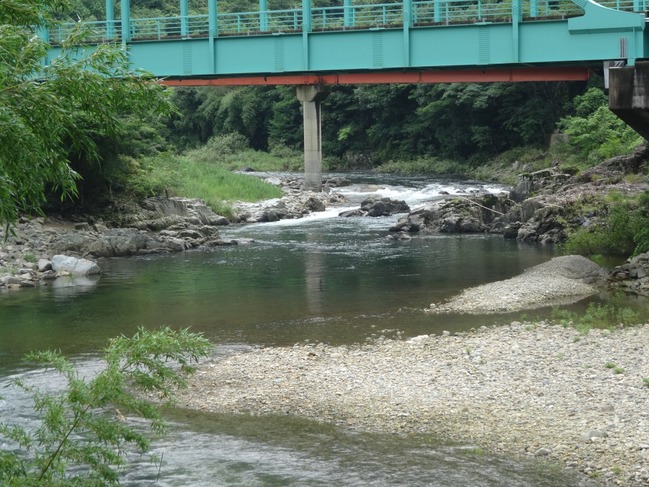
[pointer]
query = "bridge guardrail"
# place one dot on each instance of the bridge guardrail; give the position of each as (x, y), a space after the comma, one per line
(383, 15)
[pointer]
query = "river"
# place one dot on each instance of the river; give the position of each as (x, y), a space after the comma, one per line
(323, 278)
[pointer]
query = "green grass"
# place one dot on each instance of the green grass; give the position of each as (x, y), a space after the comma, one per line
(423, 165)
(602, 316)
(209, 181)
(231, 151)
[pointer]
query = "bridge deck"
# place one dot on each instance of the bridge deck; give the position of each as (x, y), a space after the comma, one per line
(411, 35)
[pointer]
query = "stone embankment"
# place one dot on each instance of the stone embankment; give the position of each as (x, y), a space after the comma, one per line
(633, 275)
(523, 389)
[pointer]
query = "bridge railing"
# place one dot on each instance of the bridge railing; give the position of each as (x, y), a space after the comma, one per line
(358, 16)
(382, 15)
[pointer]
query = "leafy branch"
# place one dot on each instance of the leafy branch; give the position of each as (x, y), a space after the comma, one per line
(82, 436)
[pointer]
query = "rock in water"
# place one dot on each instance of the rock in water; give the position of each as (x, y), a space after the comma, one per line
(78, 267)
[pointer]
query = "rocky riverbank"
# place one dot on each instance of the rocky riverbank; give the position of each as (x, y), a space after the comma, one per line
(155, 226)
(523, 389)
(543, 207)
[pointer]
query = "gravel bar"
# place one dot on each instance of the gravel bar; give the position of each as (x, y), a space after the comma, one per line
(561, 280)
(523, 389)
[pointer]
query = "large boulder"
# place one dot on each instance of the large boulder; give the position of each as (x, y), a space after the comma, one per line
(375, 207)
(118, 242)
(161, 210)
(74, 266)
(530, 183)
(383, 206)
(457, 215)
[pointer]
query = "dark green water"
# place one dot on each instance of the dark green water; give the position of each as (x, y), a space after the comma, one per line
(332, 280)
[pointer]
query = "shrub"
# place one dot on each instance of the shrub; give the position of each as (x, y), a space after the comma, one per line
(79, 440)
(623, 231)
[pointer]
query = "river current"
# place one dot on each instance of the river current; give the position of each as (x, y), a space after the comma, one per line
(321, 279)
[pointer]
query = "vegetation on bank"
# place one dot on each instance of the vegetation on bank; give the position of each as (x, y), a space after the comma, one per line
(602, 316)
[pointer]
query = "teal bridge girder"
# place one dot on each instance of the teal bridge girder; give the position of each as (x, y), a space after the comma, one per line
(407, 35)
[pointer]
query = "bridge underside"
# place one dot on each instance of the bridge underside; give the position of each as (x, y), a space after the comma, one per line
(518, 74)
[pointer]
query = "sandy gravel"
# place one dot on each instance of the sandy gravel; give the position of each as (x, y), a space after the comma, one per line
(561, 280)
(529, 389)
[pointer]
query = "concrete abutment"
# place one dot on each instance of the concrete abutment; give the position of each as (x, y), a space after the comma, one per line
(628, 96)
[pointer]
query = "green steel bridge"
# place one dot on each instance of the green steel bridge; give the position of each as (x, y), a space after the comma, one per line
(403, 41)
(408, 40)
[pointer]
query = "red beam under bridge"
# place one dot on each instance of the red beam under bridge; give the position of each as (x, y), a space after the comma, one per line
(558, 73)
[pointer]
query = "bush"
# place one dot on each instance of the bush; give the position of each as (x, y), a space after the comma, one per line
(220, 146)
(624, 231)
(595, 133)
(82, 439)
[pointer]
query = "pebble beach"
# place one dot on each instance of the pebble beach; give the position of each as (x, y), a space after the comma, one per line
(524, 389)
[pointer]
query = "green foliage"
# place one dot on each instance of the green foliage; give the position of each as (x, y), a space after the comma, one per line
(200, 177)
(596, 316)
(56, 123)
(423, 166)
(230, 151)
(623, 231)
(595, 133)
(368, 124)
(82, 438)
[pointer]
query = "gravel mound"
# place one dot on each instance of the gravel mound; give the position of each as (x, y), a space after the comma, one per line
(561, 280)
(528, 389)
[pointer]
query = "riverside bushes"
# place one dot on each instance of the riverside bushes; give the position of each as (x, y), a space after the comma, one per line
(81, 437)
(624, 229)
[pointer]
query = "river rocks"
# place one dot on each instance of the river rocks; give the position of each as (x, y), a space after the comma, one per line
(633, 275)
(456, 215)
(530, 183)
(74, 266)
(295, 204)
(376, 206)
(160, 225)
(563, 279)
(528, 389)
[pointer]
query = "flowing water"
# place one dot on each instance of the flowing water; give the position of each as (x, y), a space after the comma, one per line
(322, 278)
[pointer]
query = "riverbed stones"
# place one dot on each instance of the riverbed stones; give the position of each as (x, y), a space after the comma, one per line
(523, 389)
(633, 275)
(563, 279)
(295, 204)
(476, 214)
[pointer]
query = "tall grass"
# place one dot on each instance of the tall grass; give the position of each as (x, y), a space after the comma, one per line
(231, 151)
(209, 181)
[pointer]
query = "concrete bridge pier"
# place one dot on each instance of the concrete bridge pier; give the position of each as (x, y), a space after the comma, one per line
(310, 96)
(628, 96)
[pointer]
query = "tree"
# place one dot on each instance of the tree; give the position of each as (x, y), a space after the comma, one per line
(53, 114)
(596, 133)
(82, 438)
